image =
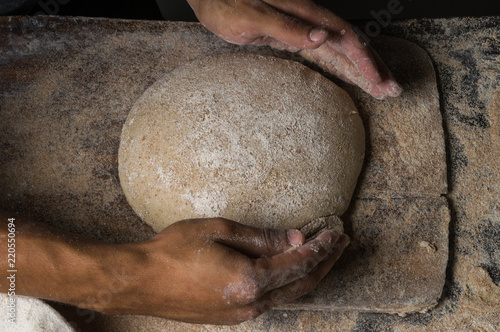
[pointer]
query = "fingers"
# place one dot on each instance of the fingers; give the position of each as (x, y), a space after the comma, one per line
(276, 265)
(329, 56)
(307, 283)
(346, 56)
(257, 22)
(331, 61)
(389, 85)
(341, 33)
(295, 25)
(379, 81)
(249, 286)
(311, 13)
(359, 54)
(284, 268)
(294, 289)
(271, 24)
(252, 241)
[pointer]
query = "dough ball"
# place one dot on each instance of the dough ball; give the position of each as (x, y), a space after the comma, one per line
(260, 140)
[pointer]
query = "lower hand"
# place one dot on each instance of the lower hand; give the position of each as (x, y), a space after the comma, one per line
(221, 272)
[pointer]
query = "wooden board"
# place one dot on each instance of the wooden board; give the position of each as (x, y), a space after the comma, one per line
(67, 86)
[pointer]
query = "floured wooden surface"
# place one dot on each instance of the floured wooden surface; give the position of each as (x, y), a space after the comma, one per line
(406, 151)
(384, 272)
(67, 86)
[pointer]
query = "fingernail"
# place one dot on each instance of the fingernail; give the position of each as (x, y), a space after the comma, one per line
(334, 237)
(295, 237)
(328, 236)
(318, 35)
(395, 89)
(343, 241)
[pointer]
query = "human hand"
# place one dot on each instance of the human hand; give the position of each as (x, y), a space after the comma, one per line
(221, 272)
(300, 26)
(203, 271)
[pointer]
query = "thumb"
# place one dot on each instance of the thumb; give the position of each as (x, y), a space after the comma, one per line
(252, 241)
(290, 31)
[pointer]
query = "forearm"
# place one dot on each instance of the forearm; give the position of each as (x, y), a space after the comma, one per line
(62, 266)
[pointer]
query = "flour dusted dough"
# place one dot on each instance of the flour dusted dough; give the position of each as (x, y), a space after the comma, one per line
(260, 140)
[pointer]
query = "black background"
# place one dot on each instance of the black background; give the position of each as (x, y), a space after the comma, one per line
(179, 10)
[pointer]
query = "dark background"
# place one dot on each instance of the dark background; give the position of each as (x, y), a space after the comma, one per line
(179, 9)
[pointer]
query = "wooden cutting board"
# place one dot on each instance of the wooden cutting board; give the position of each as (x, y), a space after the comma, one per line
(68, 84)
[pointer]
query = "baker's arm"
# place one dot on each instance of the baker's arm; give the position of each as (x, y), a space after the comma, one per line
(204, 271)
(300, 26)
(54, 264)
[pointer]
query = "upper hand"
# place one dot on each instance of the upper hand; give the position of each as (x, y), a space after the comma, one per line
(300, 25)
(221, 272)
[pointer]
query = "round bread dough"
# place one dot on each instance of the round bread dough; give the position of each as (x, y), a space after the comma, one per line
(259, 140)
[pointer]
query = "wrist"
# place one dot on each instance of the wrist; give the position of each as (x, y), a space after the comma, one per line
(61, 266)
(116, 286)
